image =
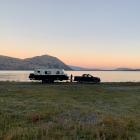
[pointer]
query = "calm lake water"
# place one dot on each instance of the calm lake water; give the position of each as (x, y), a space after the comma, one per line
(106, 76)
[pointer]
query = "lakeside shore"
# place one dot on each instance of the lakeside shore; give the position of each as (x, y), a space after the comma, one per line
(69, 111)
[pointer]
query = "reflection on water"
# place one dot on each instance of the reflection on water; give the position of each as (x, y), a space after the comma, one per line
(14, 75)
(106, 76)
(113, 76)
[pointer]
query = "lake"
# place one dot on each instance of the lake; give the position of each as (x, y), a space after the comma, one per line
(106, 76)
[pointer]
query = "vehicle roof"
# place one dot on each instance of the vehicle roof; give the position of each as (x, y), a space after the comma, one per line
(87, 75)
(48, 69)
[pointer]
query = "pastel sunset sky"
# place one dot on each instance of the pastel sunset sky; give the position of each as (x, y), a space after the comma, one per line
(87, 33)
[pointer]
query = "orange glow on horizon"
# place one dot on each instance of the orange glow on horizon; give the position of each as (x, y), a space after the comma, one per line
(79, 57)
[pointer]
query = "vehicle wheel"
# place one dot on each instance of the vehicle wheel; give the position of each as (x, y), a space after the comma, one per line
(44, 81)
(51, 81)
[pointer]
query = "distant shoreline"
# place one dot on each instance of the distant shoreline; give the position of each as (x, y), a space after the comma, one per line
(69, 83)
(81, 70)
(106, 70)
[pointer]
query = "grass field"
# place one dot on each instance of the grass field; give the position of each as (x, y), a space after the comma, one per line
(31, 111)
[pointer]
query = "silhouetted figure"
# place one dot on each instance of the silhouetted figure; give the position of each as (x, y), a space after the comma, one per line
(71, 78)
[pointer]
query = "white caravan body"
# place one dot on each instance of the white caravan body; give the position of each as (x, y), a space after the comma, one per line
(49, 72)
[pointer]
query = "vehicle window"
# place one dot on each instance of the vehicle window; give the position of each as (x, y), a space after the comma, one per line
(47, 72)
(58, 72)
(89, 76)
(38, 71)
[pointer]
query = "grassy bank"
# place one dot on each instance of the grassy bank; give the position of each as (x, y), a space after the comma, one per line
(31, 111)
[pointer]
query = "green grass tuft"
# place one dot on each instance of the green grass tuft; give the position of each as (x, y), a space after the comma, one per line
(32, 111)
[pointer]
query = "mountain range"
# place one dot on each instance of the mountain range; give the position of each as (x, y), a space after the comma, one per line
(97, 69)
(76, 68)
(44, 61)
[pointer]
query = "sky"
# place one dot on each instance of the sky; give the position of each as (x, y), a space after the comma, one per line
(87, 33)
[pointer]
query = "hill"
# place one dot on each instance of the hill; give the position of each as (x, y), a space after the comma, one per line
(76, 68)
(44, 61)
(126, 69)
(97, 69)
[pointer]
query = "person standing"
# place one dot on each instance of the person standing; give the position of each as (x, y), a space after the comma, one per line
(71, 78)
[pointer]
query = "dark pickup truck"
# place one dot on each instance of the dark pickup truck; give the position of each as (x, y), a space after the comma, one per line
(87, 78)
